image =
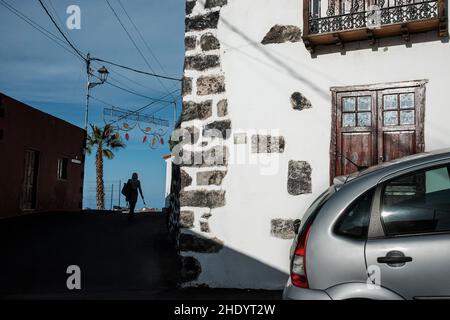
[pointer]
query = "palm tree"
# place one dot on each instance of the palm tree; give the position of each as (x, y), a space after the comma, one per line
(106, 142)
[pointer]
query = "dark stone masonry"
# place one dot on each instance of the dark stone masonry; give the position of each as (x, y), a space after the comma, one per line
(209, 42)
(201, 62)
(199, 23)
(223, 127)
(215, 156)
(280, 34)
(186, 86)
(190, 269)
(186, 179)
(282, 229)
(267, 144)
(190, 6)
(215, 3)
(189, 242)
(222, 108)
(192, 110)
(190, 43)
(299, 101)
(186, 219)
(210, 85)
(299, 178)
(202, 198)
(204, 227)
(215, 177)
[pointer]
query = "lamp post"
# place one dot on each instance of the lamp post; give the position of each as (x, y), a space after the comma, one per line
(103, 75)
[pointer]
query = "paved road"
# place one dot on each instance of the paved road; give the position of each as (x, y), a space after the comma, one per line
(118, 259)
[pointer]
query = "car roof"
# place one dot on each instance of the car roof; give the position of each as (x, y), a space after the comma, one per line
(386, 168)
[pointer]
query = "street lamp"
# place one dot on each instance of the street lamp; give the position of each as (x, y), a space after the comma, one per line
(102, 76)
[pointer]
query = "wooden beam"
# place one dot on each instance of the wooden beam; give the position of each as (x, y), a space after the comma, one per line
(380, 86)
(306, 17)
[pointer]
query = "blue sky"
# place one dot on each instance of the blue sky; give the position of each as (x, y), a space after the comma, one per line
(38, 72)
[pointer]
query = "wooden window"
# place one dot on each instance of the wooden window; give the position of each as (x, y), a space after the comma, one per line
(375, 123)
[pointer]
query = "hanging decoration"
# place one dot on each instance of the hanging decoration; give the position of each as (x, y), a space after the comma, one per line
(153, 128)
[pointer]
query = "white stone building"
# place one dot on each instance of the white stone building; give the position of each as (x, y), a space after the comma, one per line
(362, 80)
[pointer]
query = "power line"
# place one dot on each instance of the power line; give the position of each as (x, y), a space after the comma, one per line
(60, 31)
(59, 19)
(135, 93)
(136, 70)
(142, 38)
(136, 46)
(38, 27)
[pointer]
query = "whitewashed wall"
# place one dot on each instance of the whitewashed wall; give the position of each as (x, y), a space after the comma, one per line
(259, 82)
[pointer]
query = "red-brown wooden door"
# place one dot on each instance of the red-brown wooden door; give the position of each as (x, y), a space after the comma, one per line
(356, 130)
(373, 126)
(400, 123)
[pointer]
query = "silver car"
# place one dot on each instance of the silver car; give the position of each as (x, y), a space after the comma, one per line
(383, 233)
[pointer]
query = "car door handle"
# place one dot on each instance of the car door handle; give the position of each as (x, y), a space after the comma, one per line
(394, 260)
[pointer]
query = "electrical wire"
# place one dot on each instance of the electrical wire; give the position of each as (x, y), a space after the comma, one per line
(135, 45)
(142, 38)
(38, 27)
(60, 31)
(136, 70)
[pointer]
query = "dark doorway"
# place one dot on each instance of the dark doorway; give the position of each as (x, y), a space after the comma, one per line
(376, 123)
(29, 190)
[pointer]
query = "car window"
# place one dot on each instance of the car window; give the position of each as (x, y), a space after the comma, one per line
(355, 221)
(417, 203)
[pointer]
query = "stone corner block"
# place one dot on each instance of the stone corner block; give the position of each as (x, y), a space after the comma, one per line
(281, 34)
(299, 178)
(300, 102)
(282, 229)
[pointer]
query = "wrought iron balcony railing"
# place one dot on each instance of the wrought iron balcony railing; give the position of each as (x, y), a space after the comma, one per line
(340, 21)
(390, 11)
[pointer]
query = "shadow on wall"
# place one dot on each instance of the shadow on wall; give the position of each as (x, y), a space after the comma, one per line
(276, 60)
(209, 261)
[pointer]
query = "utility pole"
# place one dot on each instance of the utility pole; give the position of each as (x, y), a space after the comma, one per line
(103, 75)
(88, 87)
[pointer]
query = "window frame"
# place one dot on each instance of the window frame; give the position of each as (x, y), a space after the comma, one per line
(376, 224)
(345, 212)
(58, 176)
(377, 90)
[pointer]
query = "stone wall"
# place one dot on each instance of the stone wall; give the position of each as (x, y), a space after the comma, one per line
(204, 164)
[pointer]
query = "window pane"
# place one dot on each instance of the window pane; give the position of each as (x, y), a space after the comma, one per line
(348, 120)
(390, 118)
(348, 104)
(355, 222)
(407, 101)
(364, 119)
(364, 103)
(390, 101)
(407, 117)
(417, 203)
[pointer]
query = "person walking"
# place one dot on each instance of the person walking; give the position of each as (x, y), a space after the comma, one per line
(134, 185)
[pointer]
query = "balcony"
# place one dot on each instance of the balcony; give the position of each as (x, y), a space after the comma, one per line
(342, 21)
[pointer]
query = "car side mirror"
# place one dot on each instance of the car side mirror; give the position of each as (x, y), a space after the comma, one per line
(297, 223)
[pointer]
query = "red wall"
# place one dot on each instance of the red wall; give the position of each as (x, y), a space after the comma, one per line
(27, 128)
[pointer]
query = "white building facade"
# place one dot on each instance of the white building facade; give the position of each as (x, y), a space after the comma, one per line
(297, 102)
